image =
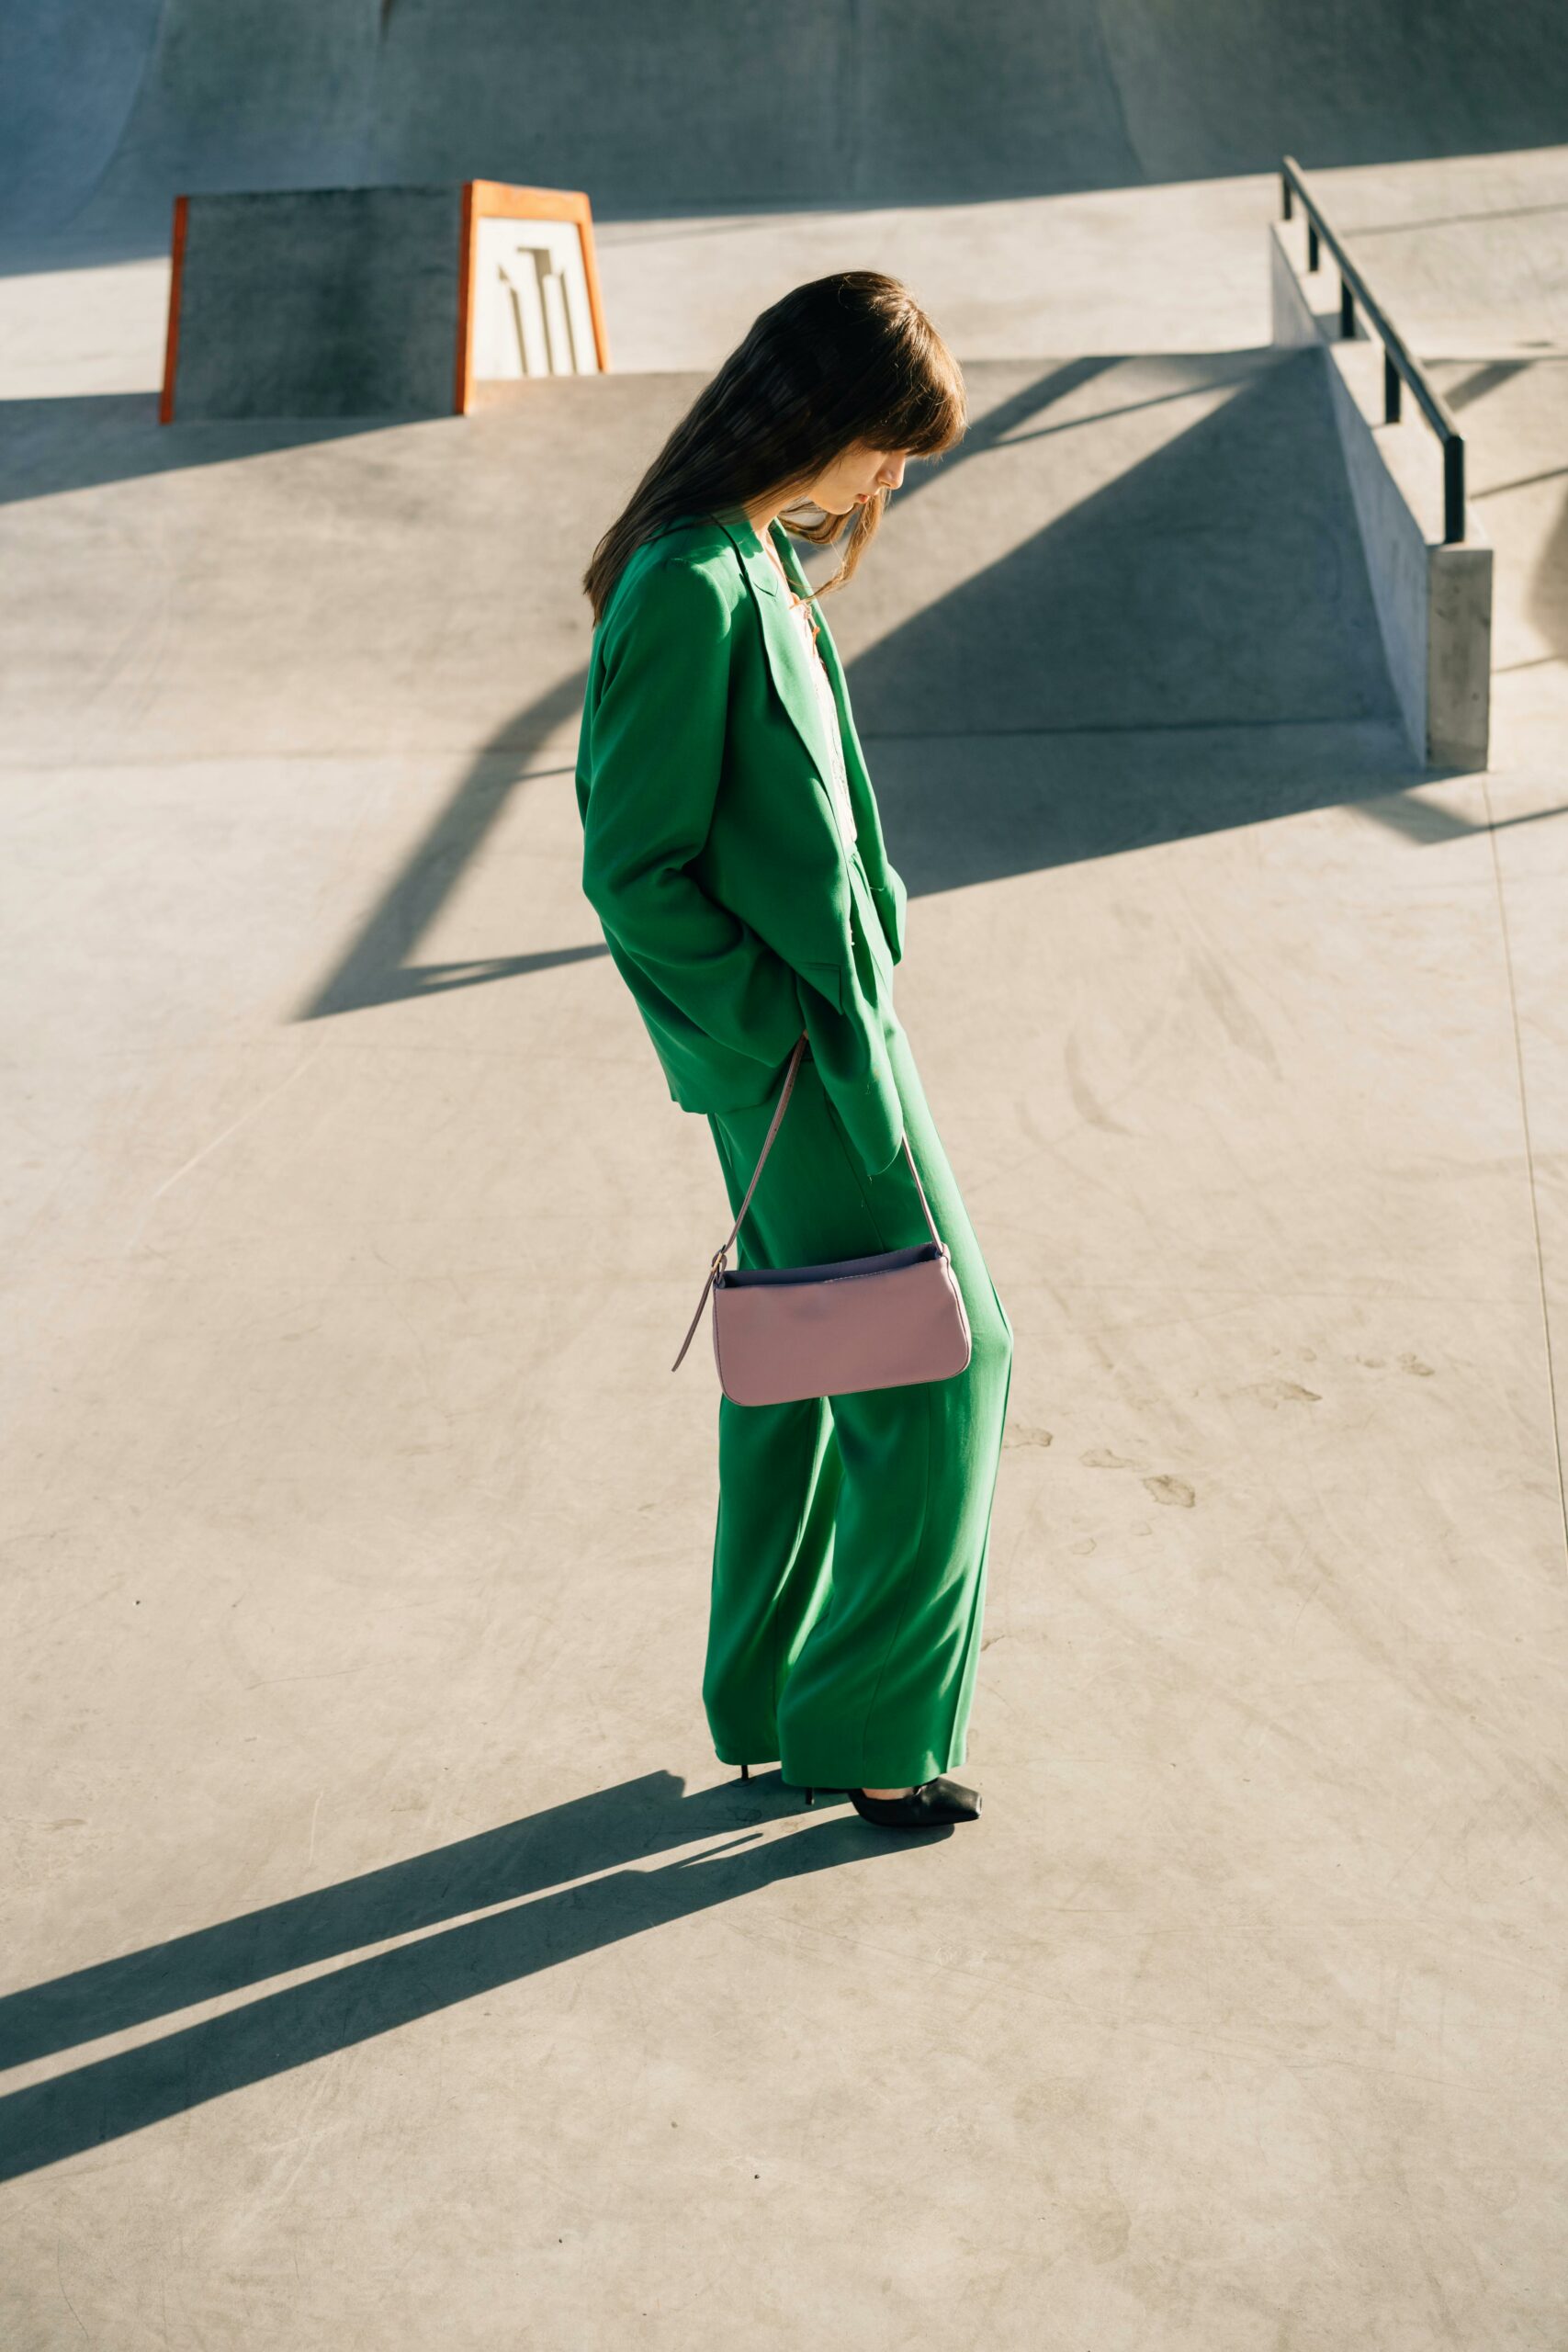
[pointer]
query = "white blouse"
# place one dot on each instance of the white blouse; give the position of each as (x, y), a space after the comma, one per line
(837, 780)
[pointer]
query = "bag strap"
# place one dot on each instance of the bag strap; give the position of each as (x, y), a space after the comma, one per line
(721, 1254)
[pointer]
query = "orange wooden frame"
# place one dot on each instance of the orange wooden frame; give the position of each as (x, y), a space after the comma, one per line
(171, 337)
(492, 200)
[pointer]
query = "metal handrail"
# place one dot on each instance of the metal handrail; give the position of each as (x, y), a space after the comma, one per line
(1396, 361)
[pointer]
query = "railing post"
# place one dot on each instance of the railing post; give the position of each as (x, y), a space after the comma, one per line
(1454, 490)
(1347, 309)
(1285, 193)
(1312, 253)
(1390, 389)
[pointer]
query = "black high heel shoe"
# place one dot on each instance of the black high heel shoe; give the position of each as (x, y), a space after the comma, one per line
(925, 1807)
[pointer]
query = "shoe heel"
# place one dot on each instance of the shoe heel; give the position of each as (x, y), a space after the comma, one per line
(745, 1771)
(810, 1796)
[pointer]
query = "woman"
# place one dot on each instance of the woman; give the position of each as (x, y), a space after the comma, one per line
(733, 852)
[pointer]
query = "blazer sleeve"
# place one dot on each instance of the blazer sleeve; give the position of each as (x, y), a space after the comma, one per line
(655, 753)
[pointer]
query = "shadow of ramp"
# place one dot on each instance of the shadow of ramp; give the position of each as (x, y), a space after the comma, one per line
(1184, 642)
(961, 809)
(1216, 581)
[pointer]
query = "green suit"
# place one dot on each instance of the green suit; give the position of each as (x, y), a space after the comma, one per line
(852, 1532)
(728, 910)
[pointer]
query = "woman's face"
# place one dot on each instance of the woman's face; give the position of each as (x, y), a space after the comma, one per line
(856, 476)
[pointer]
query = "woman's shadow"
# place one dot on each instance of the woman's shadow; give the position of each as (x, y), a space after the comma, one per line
(533, 1879)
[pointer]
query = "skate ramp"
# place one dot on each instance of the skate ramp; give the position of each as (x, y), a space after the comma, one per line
(1118, 545)
(689, 104)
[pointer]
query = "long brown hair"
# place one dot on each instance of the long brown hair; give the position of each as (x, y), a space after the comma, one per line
(846, 359)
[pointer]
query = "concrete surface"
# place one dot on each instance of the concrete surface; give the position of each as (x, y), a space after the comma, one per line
(390, 1963)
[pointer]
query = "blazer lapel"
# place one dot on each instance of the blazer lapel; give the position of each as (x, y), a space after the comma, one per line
(787, 651)
(787, 658)
(854, 768)
(862, 800)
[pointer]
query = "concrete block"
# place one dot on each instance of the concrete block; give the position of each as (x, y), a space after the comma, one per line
(374, 301)
(1433, 599)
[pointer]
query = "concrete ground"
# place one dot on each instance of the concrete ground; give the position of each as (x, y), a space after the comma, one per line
(357, 1536)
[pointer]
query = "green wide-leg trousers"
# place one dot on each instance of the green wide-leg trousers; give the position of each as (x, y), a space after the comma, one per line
(850, 1555)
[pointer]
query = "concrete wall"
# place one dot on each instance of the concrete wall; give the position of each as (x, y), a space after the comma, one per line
(1433, 600)
(665, 105)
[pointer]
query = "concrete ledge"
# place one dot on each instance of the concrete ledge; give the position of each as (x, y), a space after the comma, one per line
(1433, 600)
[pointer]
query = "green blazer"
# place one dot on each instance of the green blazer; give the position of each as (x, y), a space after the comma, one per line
(711, 850)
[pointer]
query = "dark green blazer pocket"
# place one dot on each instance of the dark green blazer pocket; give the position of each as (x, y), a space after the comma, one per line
(828, 979)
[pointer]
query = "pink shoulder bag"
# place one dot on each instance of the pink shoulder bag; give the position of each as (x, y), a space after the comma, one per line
(782, 1334)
